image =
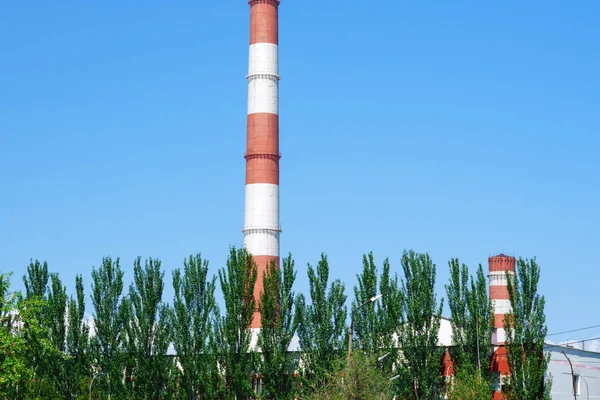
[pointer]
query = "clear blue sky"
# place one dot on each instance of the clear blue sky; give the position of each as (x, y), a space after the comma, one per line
(463, 129)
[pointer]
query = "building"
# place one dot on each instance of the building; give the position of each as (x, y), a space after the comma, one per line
(573, 369)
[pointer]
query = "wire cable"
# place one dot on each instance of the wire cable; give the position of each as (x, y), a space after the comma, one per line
(570, 343)
(574, 330)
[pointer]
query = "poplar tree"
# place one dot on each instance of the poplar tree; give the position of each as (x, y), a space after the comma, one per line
(149, 329)
(419, 326)
(277, 329)
(36, 280)
(526, 331)
(110, 318)
(375, 324)
(472, 319)
(193, 318)
(322, 325)
(56, 319)
(77, 342)
(40, 355)
(237, 280)
(366, 320)
(14, 372)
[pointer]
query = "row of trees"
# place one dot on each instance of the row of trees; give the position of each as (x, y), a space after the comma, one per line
(127, 350)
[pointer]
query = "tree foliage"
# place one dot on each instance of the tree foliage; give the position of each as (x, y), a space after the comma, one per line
(14, 372)
(56, 319)
(526, 331)
(322, 323)
(472, 319)
(110, 319)
(278, 326)
(46, 350)
(149, 330)
(375, 324)
(237, 280)
(419, 326)
(468, 385)
(357, 379)
(36, 280)
(78, 361)
(193, 318)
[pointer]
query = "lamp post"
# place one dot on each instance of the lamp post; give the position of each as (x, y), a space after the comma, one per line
(587, 388)
(351, 333)
(92, 382)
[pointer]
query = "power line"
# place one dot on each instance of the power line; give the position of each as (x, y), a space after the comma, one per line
(574, 330)
(570, 343)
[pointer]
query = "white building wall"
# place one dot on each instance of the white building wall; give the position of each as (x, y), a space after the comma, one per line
(586, 364)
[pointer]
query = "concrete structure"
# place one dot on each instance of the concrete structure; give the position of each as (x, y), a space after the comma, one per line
(261, 216)
(584, 377)
(498, 266)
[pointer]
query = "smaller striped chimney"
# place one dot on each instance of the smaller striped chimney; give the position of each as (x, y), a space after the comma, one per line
(498, 265)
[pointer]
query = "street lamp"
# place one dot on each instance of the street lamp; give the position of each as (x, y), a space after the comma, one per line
(95, 376)
(371, 300)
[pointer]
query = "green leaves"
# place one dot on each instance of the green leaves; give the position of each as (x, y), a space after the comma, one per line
(193, 318)
(419, 324)
(526, 331)
(45, 349)
(376, 323)
(322, 324)
(78, 361)
(472, 318)
(278, 326)
(233, 334)
(110, 321)
(149, 330)
(36, 281)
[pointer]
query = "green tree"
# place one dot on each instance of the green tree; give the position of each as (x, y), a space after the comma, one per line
(77, 342)
(472, 319)
(526, 331)
(237, 280)
(14, 372)
(375, 324)
(38, 349)
(110, 318)
(366, 320)
(150, 330)
(36, 280)
(278, 326)
(467, 385)
(193, 318)
(419, 326)
(321, 324)
(57, 321)
(357, 379)
(41, 332)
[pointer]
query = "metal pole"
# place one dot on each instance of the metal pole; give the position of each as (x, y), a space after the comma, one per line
(587, 388)
(90, 388)
(92, 382)
(371, 300)
(350, 336)
(572, 376)
(478, 358)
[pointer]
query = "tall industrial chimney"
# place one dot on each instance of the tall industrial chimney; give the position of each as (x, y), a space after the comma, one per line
(498, 266)
(261, 216)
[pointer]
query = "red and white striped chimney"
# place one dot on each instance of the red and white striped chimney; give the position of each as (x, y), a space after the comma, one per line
(261, 216)
(498, 266)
